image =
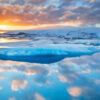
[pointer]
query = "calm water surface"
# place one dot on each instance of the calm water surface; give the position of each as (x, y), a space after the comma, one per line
(49, 77)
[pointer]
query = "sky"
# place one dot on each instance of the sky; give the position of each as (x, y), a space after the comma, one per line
(47, 13)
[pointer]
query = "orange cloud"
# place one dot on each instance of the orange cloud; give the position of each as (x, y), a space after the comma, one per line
(43, 12)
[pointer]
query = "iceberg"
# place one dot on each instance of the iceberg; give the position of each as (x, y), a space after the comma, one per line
(47, 53)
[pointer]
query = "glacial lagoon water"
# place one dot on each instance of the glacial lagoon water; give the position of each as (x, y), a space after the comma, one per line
(68, 70)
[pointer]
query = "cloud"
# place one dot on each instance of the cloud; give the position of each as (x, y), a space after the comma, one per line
(66, 3)
(18, 2)
(36, 1)
(34, 12)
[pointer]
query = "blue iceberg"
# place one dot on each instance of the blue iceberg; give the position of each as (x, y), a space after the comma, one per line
(46, 54)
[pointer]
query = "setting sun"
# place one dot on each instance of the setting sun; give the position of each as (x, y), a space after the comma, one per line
(9, 27)
(3, 27)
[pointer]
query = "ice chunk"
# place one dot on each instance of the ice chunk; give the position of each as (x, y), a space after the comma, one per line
(31, 51)
(50, 53)
(68, 50)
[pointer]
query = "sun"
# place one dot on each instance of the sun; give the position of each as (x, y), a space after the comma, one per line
(3, 27)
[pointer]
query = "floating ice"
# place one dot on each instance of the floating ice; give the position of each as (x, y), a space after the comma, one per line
(46, 53)
(51, 49)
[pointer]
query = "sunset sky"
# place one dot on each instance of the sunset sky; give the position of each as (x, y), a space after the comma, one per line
(28, 14)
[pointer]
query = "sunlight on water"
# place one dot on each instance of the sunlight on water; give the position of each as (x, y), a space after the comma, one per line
(2, 32)
(6, 40)
(4, 47)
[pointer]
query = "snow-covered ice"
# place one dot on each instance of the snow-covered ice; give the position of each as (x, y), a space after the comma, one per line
(69, 42)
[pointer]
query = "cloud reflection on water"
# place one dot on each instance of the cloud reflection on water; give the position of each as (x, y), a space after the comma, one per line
(18, 84)
(71, 78)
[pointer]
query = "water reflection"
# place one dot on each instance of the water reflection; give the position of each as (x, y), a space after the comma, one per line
(2, 32)
(43, 59)
(75, 91)
(48, 77)
(72, 78)
(6, 40)
(18, 84)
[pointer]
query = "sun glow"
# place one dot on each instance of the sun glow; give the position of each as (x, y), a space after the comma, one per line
(39, 26)
(2, 27)
(13, 27)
